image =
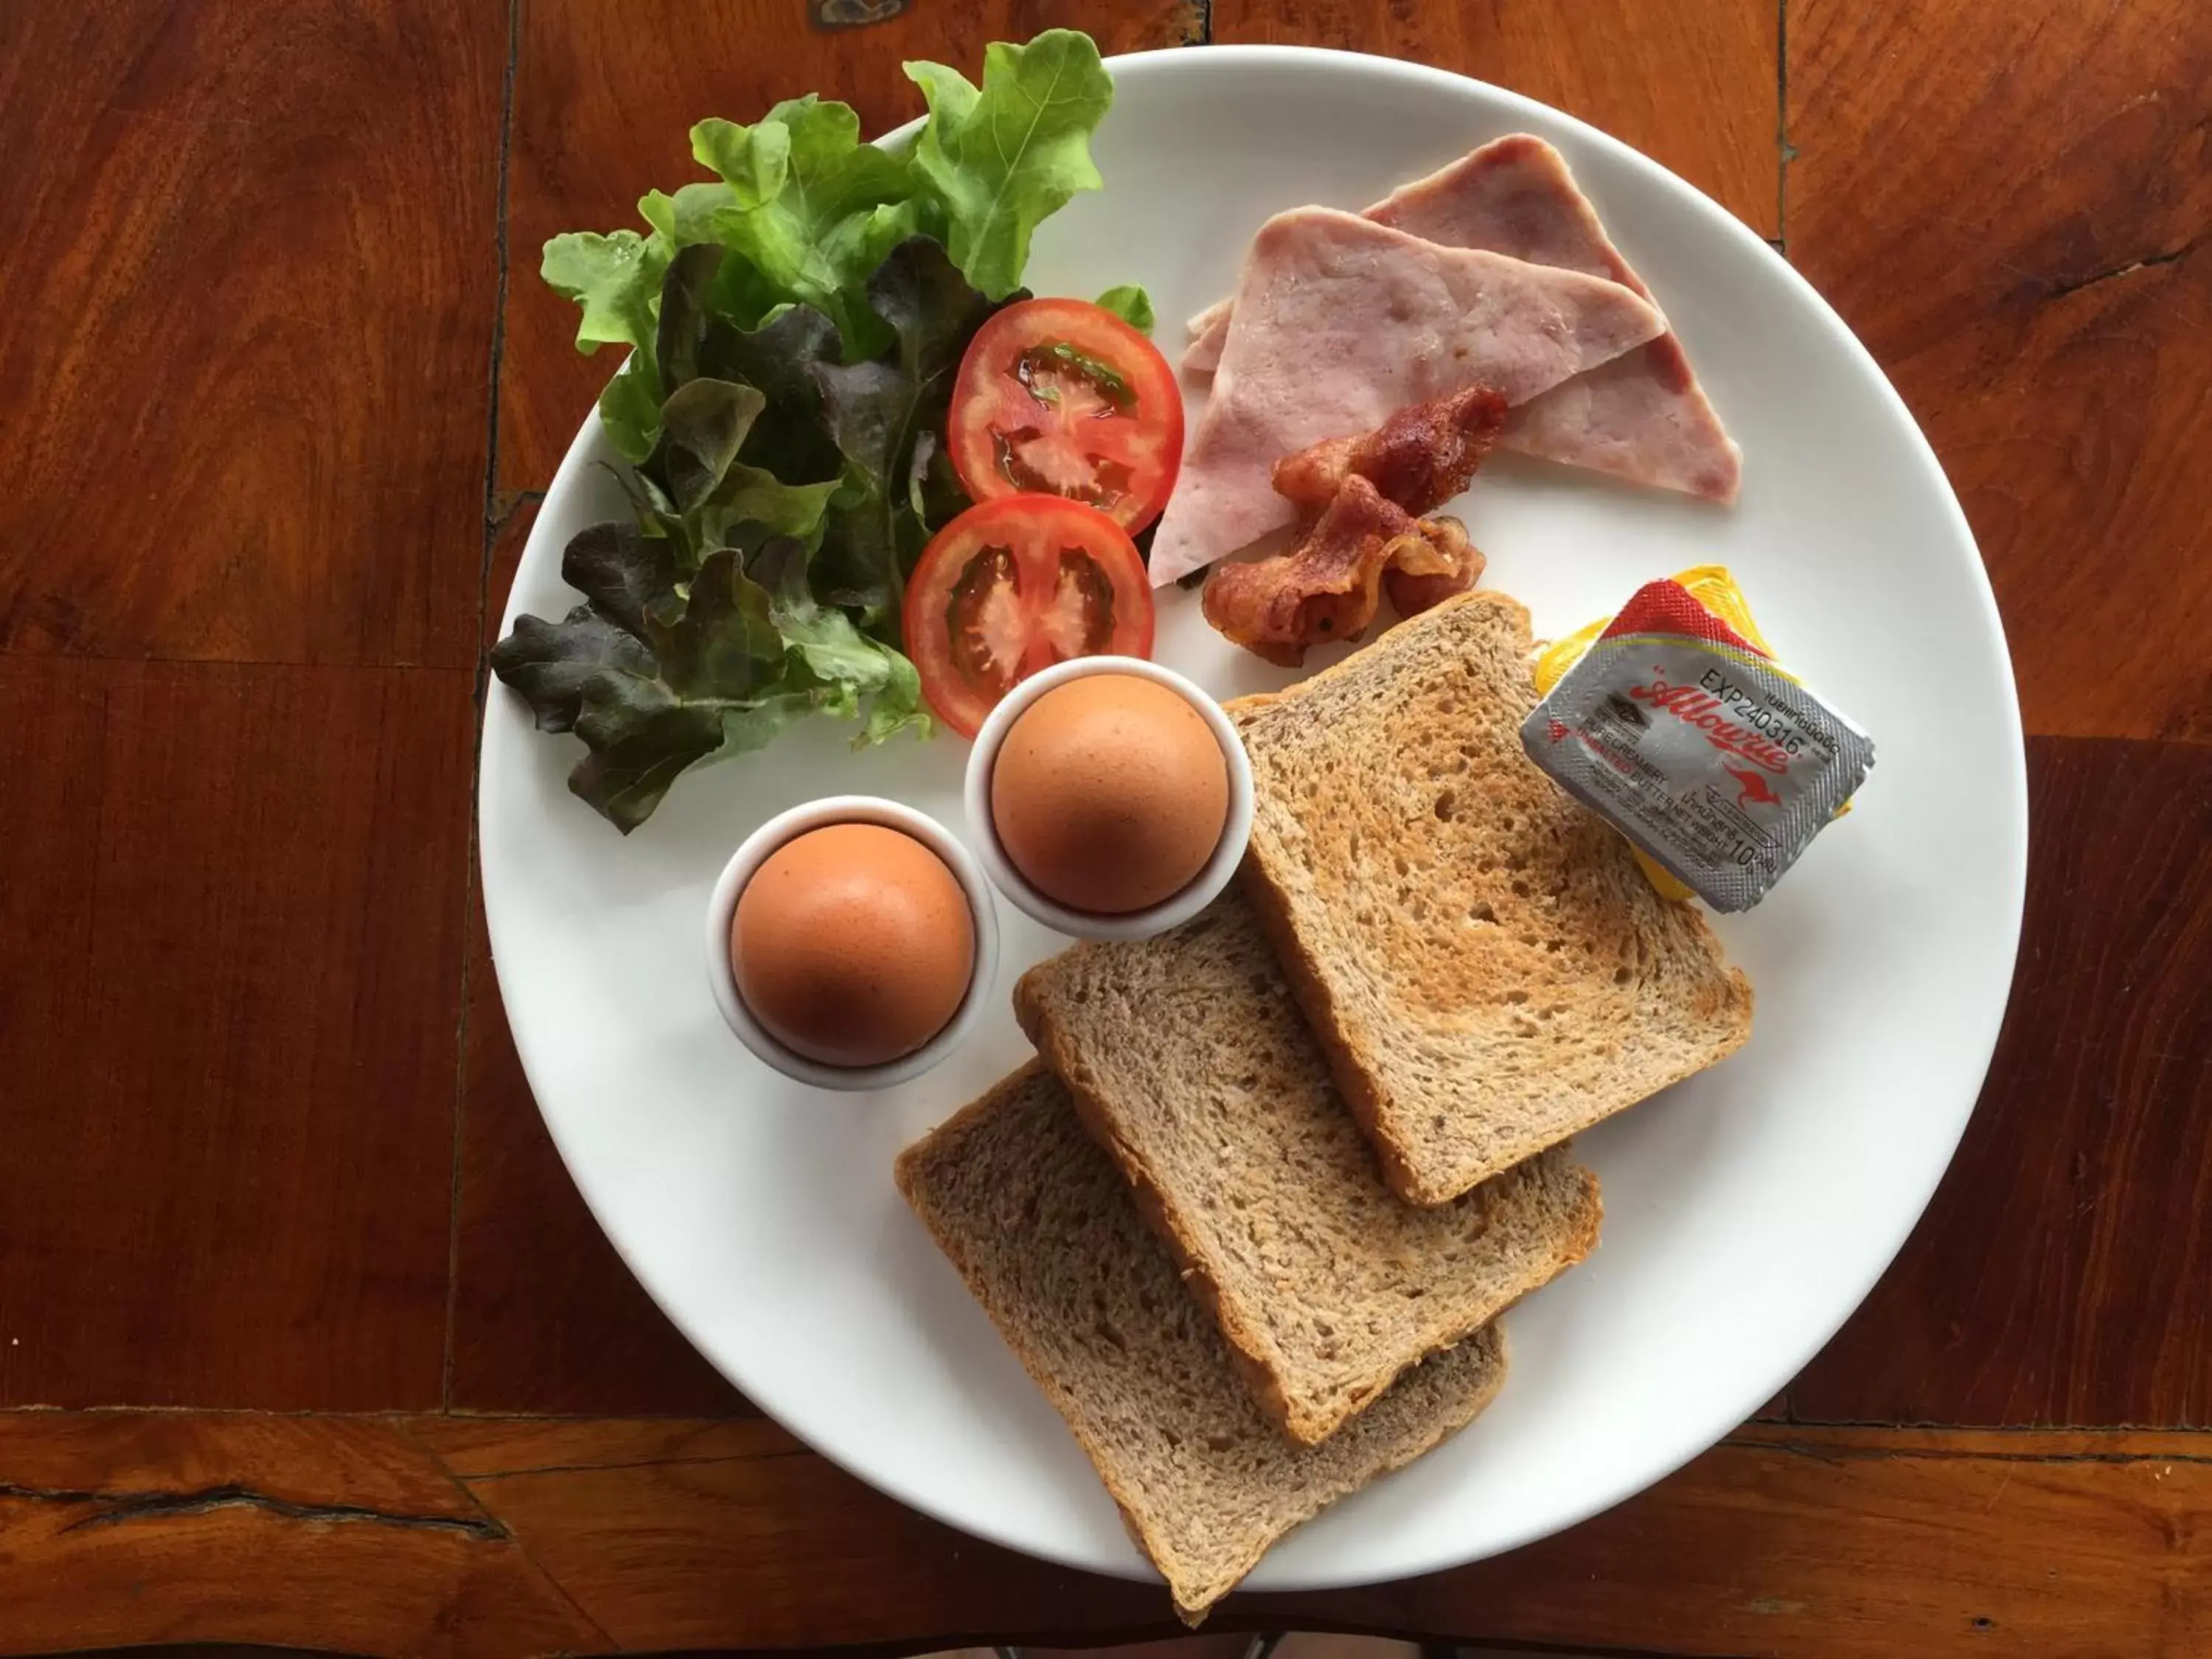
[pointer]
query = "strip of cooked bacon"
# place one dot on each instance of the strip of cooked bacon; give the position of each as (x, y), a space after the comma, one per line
(1369, 492)
(1329, 586)
(1428, 567)
(1418, 459)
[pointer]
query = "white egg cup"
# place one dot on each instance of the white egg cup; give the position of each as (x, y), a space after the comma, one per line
(1171, 912)
(756, 850)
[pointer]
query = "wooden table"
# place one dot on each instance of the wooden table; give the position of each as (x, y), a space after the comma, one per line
(306, 1338)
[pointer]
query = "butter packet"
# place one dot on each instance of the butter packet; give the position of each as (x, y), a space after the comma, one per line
(1673, 721)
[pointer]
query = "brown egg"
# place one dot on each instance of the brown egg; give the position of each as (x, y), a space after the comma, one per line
(1109, 793)
(853, 945)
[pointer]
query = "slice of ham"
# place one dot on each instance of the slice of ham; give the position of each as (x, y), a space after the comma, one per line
(1643, 417)
(1340, 321)
(1209, 330)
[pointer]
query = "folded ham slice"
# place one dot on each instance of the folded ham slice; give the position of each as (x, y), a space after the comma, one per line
(1643, 416)
(1340, 321)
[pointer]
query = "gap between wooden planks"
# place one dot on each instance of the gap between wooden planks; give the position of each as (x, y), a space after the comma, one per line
(465, 1536)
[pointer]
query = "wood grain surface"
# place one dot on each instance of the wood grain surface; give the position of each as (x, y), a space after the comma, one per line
(279, 386)
(479, 1536)
(2037, 279)
(249, 275)
(231, 961)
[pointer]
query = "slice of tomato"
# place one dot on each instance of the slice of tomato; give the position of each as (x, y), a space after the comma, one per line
(1016, 584)
(1063, 397)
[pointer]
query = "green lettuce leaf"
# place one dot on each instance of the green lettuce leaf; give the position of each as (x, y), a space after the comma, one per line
(835, 651)
(897, 705)
(754, 161)
(792, 236)
(615, 278)
(751, 497)
(1004, 156)
(1131, 304)
(629, 408)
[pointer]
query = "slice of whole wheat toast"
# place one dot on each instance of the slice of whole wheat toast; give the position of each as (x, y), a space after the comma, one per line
(1486, 966)
(1190, 1063)
(1043, 1229)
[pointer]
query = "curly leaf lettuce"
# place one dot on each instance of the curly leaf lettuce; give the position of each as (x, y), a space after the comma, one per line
(754, 161)
(615, 278)
(794, 236)
(793, 324)
(739, 601)
(658, 676)
(1007, 154)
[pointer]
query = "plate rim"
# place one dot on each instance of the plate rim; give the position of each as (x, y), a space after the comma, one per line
(585, 449)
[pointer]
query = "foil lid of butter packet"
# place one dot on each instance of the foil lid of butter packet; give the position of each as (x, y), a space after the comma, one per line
(1691, 740)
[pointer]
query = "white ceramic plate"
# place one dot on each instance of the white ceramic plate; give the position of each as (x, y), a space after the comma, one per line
(1747, 1212)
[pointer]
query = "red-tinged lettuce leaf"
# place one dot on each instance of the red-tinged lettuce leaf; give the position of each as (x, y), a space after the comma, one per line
(642, 738)
(720, 645)
(657, 676)
(702, 424)
(707, 680)
(876, 412)
(622, 572)
(554, 664)
(777, 358)
(780, 357)
(686, 319)
(712, 499)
